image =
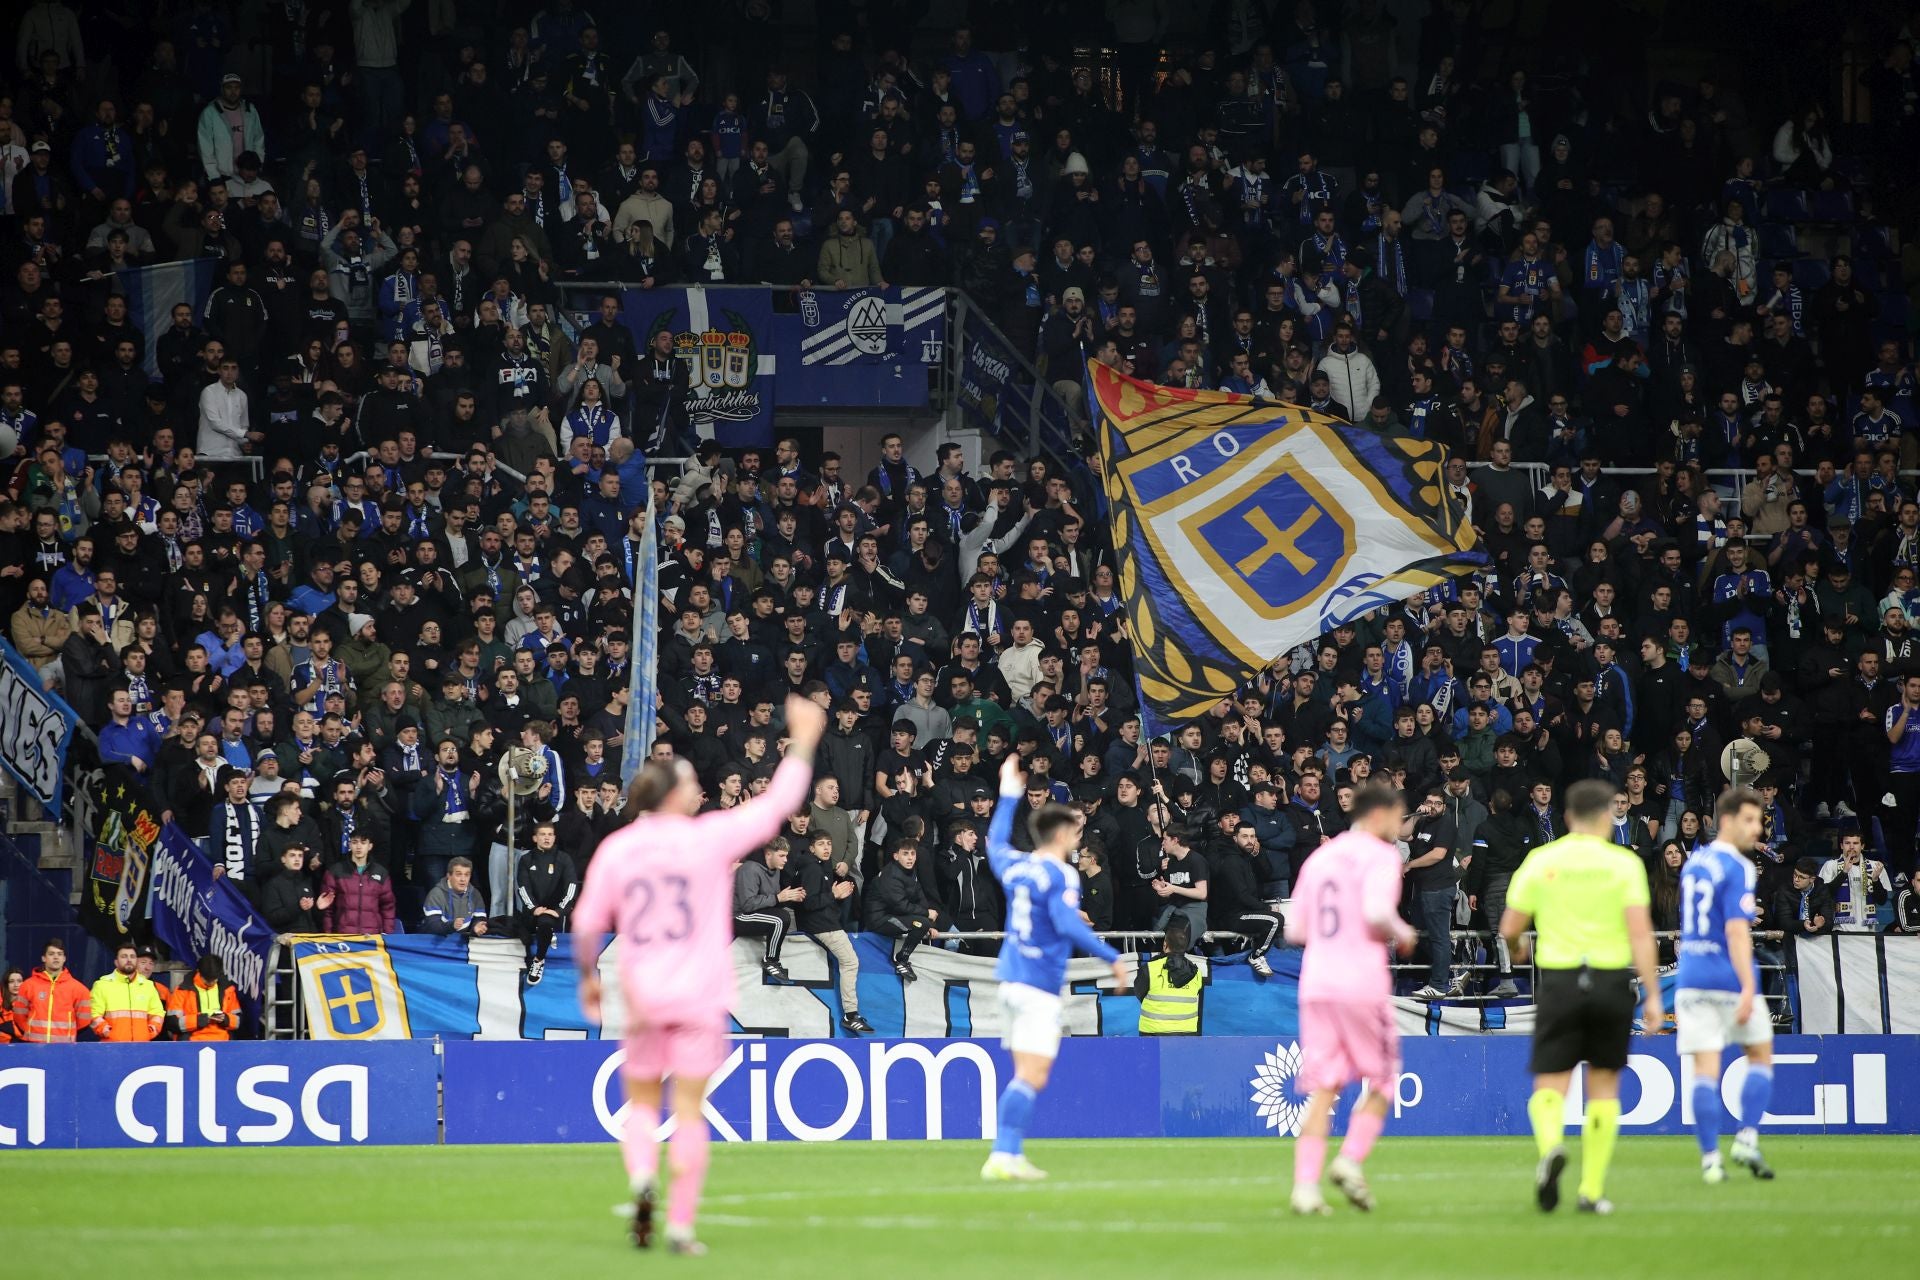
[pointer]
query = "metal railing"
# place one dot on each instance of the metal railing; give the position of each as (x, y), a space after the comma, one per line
(1047, 419)
(283, 1006)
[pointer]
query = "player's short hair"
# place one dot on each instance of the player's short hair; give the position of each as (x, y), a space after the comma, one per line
(1588, 800)
(1049, 818)
(1733, 800)
(1374, 795)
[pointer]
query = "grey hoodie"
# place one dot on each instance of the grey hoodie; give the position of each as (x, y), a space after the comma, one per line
(756, 887)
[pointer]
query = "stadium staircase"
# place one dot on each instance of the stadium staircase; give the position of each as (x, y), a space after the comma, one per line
(40, 885)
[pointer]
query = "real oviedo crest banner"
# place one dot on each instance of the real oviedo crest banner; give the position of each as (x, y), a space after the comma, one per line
(1243, 527)
(872, 326)
(726, 339)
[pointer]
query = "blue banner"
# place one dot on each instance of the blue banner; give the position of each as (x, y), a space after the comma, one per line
(860, 348)
(860, 328)
(233, 1094)
(752, 351)
(195, 911)
(725, 337)
(804, 1090)
(35, 728)
(995, 394)
(830, 1090)
(1468, 1085)
(455, 988)
(250, 1093)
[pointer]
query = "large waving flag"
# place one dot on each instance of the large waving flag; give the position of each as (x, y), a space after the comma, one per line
(636, 739)
(1243, 527)
(153, 292)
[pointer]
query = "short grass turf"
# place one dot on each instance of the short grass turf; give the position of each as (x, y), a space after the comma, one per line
(1447, 1207)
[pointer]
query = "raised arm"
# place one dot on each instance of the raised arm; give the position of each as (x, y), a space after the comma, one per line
(735, 833)
(1000, 851)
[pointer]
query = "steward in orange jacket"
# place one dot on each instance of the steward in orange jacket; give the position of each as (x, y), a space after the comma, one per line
(208, 1006)
(52, 1005)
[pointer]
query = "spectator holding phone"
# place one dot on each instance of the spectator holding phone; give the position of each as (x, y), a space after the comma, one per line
(207, 1004)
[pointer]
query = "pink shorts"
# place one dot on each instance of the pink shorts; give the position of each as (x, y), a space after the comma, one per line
(1342, 1041)
(687, 1051)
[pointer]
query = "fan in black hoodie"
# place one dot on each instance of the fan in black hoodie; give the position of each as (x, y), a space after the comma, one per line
(1234, 904)
(1505, 839)
(544, 890)
(969, 890)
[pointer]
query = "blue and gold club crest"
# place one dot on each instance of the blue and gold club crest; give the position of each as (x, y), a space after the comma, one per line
(1242, 528)
(350, 987)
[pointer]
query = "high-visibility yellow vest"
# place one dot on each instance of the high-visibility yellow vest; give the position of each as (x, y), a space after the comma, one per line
(126, 1008)
(1168, 1010)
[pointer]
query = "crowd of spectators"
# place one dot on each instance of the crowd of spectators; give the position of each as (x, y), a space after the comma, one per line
(373, 522)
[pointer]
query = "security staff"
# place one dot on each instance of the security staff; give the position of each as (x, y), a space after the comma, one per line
(51, 1005)
(1169, 985)
(126, 1008)
(207, 1004)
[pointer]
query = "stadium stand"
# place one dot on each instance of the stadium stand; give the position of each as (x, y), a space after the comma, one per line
(313, 548)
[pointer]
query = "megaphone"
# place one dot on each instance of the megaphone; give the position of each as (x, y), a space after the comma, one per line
(522, 770)
(1743, 762)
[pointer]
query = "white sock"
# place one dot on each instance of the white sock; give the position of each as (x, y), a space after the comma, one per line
(1748, 1137)
(1710, 1159)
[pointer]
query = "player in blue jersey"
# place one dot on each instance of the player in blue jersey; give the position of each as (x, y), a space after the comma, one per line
(1715, 1002)
(1043, 928)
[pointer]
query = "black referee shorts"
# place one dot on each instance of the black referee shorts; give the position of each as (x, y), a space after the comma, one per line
(1582, 1015)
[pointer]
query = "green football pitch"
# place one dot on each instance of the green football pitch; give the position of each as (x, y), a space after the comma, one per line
(1119, 1209)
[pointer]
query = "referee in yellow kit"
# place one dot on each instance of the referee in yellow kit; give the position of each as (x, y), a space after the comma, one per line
(1587, 899)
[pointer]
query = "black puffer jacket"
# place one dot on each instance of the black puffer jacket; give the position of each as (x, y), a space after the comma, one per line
(894, 894)
(280, 901)
(820, 912)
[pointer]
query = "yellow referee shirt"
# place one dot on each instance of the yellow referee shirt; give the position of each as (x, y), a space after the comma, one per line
(1577, 890)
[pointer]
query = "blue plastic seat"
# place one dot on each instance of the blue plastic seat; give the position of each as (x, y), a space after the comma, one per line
(1785, 204)
(1831, 206)
(1810, 273)
(1777, 241)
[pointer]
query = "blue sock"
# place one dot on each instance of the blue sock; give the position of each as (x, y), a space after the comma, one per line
(1756, 1091)
(1016, 1111)
(1706, 1115)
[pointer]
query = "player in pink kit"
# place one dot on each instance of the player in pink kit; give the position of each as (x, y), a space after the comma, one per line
(663, 884)
(1345, 909)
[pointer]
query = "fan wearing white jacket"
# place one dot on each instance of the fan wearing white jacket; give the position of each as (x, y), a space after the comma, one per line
(1350, 371)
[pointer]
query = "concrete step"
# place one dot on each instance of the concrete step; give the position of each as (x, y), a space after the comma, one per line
(47, 846)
